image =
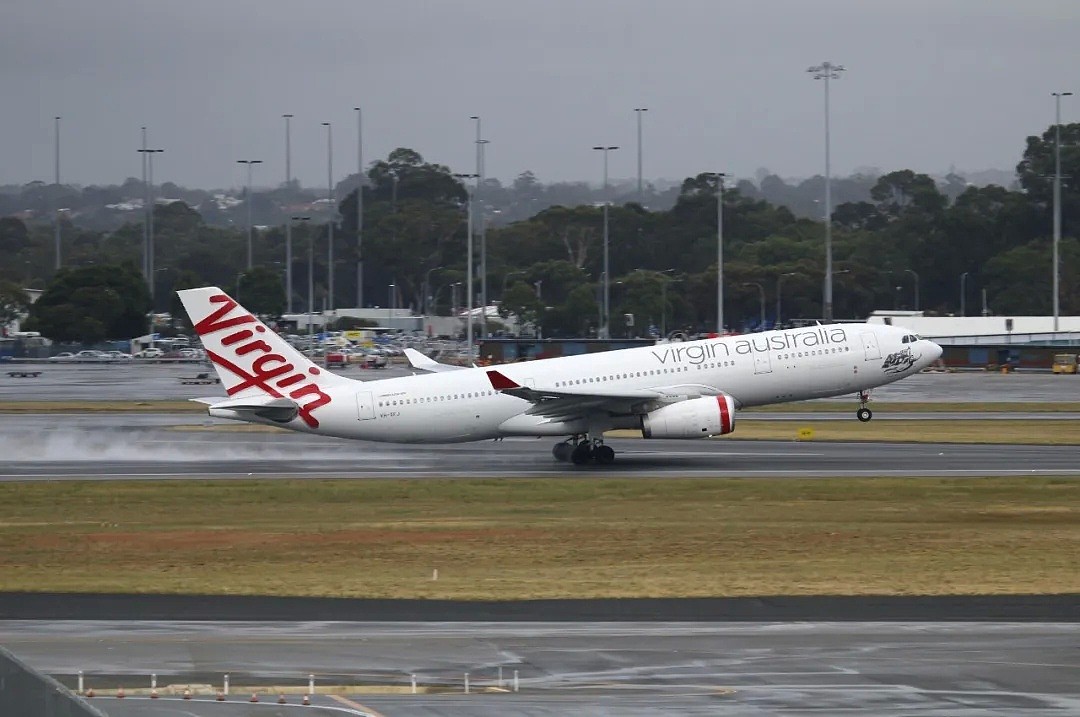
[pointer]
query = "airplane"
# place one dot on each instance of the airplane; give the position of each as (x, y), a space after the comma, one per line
(670, 390)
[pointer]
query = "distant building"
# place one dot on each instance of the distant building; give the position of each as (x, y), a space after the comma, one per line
(975, 330)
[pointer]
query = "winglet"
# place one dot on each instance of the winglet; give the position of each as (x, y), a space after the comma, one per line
(500, 382)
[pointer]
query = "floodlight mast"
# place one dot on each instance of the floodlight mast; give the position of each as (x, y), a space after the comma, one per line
(827, 71)
(1057, 202)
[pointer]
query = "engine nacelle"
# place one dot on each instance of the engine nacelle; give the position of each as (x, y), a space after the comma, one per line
(696, 418)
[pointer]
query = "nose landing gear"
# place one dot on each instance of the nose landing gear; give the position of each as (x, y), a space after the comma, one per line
(864, 414)
(581, 450)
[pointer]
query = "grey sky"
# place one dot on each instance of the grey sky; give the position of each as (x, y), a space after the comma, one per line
(930, 83)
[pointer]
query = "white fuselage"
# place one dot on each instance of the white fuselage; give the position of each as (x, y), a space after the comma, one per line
(754, 369)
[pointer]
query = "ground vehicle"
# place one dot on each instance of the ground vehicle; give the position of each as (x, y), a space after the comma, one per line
(118, 356)
(152, 352)
(92, 355)
(1065, 363)
(374, 360)
(62, 357)
(336, 359)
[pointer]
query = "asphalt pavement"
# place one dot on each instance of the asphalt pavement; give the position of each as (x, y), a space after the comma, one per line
(702, 668)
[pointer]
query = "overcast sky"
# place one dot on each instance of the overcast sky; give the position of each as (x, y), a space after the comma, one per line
(929, 84)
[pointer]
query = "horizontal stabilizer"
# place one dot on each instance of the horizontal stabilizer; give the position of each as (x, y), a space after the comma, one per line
(422, 362)
(279, 410)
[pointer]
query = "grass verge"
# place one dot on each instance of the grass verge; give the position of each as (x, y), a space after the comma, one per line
(523, 538)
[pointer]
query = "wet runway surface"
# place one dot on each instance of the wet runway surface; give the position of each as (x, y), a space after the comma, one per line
(817, 668)
(120, 446)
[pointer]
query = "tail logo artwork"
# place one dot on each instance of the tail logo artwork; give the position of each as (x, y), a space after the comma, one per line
(270, 372)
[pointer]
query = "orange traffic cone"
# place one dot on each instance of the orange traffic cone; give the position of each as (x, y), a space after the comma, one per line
(220, 696)
(305, 701)
(90, 692)
(254, 697)
(187, 694)
(120, 693)
(153, 694)
(281, 699)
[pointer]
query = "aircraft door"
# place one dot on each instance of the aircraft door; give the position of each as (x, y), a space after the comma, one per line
(762, 364)
(365, 406)
(871, 350)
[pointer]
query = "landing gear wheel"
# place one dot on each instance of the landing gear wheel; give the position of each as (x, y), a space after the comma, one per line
(604, 455)
(562, 452)
(864, 414)
(581, 454)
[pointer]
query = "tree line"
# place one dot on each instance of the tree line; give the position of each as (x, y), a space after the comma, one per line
(909, 238)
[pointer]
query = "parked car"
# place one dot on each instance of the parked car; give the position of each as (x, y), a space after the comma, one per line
(374, 360)
(150, 353)
(118, 356)
(63, 357)
(92, 356)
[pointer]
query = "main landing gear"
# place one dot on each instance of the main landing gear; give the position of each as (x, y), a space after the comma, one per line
(581, 450)
(864, 414)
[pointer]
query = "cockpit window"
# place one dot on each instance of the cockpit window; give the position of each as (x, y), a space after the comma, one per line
(906, 339)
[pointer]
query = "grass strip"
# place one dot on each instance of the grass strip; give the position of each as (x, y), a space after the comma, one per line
(535, 538)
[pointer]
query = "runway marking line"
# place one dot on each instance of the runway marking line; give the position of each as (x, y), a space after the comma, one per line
(356, 706)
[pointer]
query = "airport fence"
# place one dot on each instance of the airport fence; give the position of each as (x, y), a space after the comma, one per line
(25, 691)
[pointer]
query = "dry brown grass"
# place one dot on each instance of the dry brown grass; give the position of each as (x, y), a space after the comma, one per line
(523, 538)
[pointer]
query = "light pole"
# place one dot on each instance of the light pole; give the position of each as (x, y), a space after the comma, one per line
(146, 210)
(640, 183)
(1057, 197)
(914, 274)
(761, 294)
(149, 155)
(963, 293)
(391, 299)
(453, 298)
(333, 210)
(288, 225)
(835, 274)
(719, 252)
(481, 225)
(310, 276)
(427, 289)
(605, 330)
(827, 71)
(468, 259)
(779, 294)
(250, 226)
(359, 207)
(56, 194)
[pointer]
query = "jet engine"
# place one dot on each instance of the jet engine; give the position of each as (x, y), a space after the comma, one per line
(696, 418)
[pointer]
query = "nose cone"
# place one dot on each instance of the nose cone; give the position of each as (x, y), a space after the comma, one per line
(934, 351)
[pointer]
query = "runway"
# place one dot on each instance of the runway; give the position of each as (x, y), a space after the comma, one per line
(812, 668)
(125, 446)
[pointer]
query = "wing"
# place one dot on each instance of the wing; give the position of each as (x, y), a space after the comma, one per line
(564, 403)
(422, 362)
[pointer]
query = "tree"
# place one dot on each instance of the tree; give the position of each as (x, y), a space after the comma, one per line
(261, 291)
(13, 302)
(520, 300)
(90, 304)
